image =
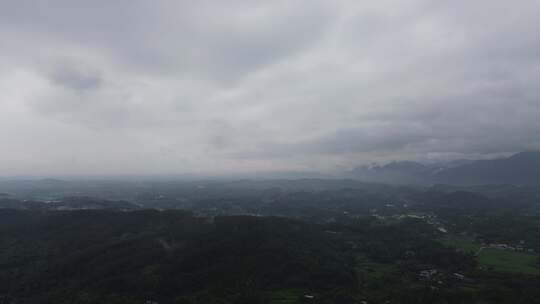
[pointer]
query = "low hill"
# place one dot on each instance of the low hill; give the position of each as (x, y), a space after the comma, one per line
(65, 257)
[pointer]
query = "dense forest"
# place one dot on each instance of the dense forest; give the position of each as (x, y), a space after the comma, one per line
(267, 241)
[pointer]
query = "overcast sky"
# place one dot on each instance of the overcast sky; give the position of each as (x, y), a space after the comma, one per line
(166, 87)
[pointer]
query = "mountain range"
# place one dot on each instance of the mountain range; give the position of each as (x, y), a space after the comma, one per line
(520, 169)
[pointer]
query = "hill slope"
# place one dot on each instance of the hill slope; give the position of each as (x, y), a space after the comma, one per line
(520, 169)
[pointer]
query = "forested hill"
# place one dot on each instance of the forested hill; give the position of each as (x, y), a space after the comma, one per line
(86, 256)
(166, 257)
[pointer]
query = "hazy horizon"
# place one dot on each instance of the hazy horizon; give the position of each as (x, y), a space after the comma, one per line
(112, 88)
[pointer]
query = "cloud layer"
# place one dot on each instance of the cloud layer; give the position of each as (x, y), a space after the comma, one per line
(166, 87)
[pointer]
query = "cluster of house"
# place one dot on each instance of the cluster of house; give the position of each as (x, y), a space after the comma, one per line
(435, 275)
(519, 247)
(428, 274)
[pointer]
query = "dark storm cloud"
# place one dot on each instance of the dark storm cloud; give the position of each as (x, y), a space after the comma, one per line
(248, 85)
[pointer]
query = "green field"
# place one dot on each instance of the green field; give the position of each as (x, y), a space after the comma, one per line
(508, 261)
(461, 244)
(495, 259)
(286, 296)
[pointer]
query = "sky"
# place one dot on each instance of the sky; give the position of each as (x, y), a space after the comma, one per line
(174, 87)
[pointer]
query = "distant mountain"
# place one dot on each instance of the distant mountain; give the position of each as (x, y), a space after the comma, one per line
(402, 172)
(520, 169)
(455, 163)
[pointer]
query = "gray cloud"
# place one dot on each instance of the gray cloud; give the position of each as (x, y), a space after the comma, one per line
(182, 86)
(76, 78)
